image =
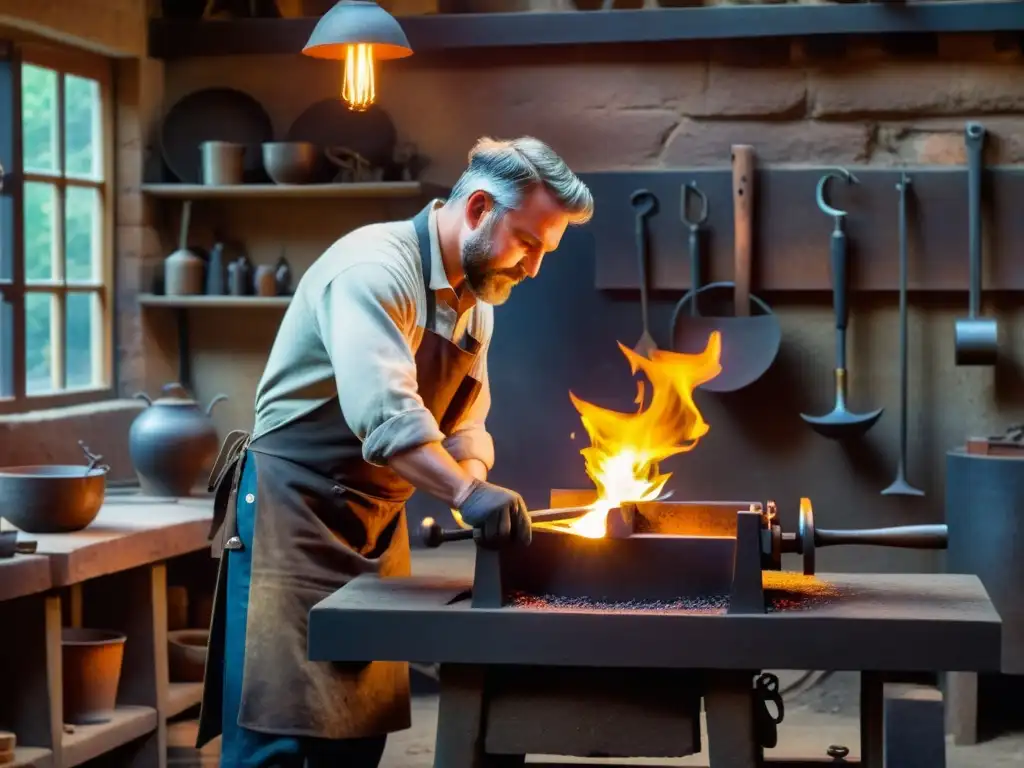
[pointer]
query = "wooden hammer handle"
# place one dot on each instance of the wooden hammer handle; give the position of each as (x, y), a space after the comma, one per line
(743, 220)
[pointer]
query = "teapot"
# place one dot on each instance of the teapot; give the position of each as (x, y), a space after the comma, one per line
(173, 442)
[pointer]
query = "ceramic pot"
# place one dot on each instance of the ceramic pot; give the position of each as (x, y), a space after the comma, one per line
(173, 442)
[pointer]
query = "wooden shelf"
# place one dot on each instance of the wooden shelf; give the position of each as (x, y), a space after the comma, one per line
(380, 189)
(89, 741)
(126, 535)
(31, 757)
(449, 32)
(123, 553)
(213, 302)
(182, 696)
(24, 575)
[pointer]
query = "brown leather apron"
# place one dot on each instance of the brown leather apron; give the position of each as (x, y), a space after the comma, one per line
(323, 516)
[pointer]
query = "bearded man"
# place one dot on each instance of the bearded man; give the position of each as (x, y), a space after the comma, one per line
(376, 386)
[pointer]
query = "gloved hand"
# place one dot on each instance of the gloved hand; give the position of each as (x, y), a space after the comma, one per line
(498, 513)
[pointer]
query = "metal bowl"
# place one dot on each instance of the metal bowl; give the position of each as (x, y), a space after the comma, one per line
(291, 162)
(56, 498)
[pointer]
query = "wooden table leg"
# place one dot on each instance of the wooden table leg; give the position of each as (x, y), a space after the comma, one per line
(460, 718)
(962, 707)
(732, 736)
(872, 720)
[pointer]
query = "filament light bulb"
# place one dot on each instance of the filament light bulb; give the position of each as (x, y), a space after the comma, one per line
(358, 89)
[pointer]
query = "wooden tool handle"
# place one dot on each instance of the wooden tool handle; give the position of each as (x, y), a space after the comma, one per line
(743, 220)
(433, 535)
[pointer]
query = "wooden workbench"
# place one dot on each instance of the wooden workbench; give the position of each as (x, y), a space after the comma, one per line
(112, 575)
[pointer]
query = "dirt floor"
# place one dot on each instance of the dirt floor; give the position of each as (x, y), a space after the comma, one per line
(824, 715)
(817, 715)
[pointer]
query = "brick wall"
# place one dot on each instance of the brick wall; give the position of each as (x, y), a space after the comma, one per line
(684, 105)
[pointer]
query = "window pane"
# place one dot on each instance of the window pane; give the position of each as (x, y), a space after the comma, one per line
(82, 130)
(6, 348)
(38, 343)
(40, 207)
(83, 319)
(6, 243)
(81, 234)
(39, 118)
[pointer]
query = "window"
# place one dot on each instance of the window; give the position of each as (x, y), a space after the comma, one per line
(56, 228)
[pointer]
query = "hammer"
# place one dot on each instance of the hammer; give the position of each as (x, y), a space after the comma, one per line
(433, 535)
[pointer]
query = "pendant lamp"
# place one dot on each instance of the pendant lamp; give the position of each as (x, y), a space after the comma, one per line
(358, 32)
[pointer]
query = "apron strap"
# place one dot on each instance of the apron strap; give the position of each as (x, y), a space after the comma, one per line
(223, 483)
(230, 450)
(422, 224)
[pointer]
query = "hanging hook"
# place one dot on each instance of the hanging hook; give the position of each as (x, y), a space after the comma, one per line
(644, 202)
(835, 173)
(691, 189)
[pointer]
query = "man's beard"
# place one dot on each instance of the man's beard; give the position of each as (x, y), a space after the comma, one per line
(492, 286)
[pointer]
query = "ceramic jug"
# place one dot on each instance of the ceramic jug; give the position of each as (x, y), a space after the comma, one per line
(173, 442)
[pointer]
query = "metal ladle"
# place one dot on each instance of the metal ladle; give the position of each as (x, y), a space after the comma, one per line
(841, 422)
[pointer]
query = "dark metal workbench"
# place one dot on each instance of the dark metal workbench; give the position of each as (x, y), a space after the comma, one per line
(897, 622)
(590, 681)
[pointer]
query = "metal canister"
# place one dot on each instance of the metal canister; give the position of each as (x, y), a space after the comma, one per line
(223, 163)
(985, 514)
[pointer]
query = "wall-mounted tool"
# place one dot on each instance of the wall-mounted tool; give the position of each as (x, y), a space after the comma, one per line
(976, 338)
(694, 227)
(900, 486)
(750, 342)
(841, 422)
(645, 204)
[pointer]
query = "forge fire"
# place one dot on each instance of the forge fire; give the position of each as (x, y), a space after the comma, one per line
(625, 449)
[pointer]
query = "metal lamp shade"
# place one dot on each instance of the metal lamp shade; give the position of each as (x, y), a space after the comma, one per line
(351, 22)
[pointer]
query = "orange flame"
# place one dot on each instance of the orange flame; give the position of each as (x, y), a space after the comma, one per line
(625, 448)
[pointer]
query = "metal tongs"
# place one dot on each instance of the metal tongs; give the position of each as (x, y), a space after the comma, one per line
(433, 535)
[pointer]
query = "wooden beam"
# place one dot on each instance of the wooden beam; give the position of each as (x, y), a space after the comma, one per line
(445, 32)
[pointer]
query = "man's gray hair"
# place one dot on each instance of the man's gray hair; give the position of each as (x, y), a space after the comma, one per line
(506, 170)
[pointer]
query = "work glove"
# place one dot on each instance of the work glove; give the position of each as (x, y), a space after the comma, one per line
(498, 513)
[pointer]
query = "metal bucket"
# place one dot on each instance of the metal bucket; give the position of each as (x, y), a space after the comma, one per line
(91, 661)
(223, 163)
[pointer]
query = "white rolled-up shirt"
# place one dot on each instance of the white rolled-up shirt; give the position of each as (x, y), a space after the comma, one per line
(351, 332)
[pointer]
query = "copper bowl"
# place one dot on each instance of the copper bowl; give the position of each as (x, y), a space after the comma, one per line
(52, 498)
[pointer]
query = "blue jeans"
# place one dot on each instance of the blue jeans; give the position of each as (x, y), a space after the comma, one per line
(241, 747)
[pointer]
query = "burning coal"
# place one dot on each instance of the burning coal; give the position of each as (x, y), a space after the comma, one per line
(625, 448)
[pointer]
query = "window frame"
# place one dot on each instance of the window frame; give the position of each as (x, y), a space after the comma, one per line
(65, 61)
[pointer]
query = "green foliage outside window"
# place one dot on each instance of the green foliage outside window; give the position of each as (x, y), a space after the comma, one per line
(81, 158)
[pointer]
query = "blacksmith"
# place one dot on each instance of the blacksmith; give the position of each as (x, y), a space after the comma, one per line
(376, 386)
